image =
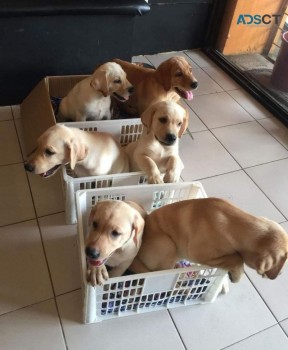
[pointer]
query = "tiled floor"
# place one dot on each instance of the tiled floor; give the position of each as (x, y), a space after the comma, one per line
(239, 151)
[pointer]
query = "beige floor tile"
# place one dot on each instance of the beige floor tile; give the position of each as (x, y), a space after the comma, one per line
(152, 331)
(250, 144)
(16, 111)
(231, 318)
(140, 58)
(250, 104)
(23, 269)
(200, 58)
(16, 203)
(284, 325)
(9, 146)
(47, 194)
(217, 110)
(33, 328)
(19, 130)
(272, 338)
(272, 179)
(221, 78)
(195, 124)
(204, 156)
(239, 189)
(60, 242)
(161, 57)
(277, 129)
(274, 293)
(6, 113)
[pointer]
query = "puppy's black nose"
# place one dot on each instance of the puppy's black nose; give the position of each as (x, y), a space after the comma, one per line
(131, 89)
(194, 85)
(170, 138)
(29, 167)
(92, 253)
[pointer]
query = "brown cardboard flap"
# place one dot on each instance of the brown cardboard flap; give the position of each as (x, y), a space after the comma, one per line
(36, 109)
(61, 85)
(37, 114)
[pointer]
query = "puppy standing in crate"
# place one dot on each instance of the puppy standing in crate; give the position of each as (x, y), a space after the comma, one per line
(212, 232)
(156, 151)
(90, 99)
(114, 238)
(89, 153)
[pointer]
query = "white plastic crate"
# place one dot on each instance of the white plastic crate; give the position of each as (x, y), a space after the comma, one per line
(125, 131)
(139, 293)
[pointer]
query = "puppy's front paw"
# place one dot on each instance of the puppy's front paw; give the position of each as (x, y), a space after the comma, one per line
(98, 275)
(171, 176)
(155, 179)
(235, 274)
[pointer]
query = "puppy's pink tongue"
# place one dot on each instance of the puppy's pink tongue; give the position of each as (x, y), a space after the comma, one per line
(189, 95)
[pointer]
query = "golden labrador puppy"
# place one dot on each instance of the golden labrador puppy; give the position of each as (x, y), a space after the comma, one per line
(172, 80)
(212, 232)
(114, 238)
(156, 152)
(90, 98)
(89, 153)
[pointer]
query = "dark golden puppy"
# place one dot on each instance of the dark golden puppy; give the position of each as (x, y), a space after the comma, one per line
(211, 232)
(172, 80)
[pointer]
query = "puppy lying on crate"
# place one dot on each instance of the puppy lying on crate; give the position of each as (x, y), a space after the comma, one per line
(89, 153)
(90, 98)
(114, 238)
(172, 80)
(156, 151)
(211, 232)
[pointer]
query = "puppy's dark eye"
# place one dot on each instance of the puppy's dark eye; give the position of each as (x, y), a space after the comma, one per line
(48, 152)
(117, 81)
(163, 120)
(179, 124)
(95, 225)
(115, 234)
(178, 74)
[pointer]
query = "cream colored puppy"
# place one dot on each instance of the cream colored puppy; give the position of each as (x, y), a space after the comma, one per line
(211, 232)
(90, 98)
(89, 153)
(156, 152)
(114, 238)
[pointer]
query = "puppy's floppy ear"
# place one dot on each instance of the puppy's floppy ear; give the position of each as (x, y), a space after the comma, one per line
(185, 124)
(91, 215)
(163, 73)
(147, 116)
(100, 82)
(76, 152)
(274, 272)
(137, 227)
(138, 223)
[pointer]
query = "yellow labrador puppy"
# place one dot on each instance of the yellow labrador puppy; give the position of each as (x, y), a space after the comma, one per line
(89, 153)
(114, 238)
(156, 152)
(90, 98)
(212, 232)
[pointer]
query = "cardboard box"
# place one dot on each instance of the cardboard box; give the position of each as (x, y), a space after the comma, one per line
(36, 110)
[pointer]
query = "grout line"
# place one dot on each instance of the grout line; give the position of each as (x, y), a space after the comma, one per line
(250, 336)
(269, 199)
(26, 306)
(169, 313)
